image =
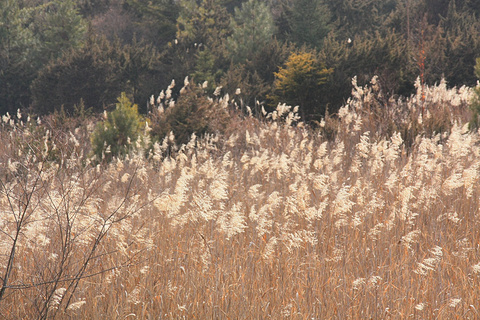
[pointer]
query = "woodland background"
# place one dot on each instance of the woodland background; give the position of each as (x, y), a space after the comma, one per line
(63, 54)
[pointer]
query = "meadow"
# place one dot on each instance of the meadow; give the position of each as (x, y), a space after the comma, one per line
(373, 215)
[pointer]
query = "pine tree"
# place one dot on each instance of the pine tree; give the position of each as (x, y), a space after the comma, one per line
(93, 73)
(97, 73)
(309, 22)
(117, 134)
(15, 42)
(58, 27)
(29, 38)
(355, 16)
(154, 20)
(461, 31)
(300, 83)
(206, 69)
(253, 27)
(203, 22)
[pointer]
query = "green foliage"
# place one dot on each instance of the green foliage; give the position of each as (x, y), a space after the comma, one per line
(309, 22)
(97, 73)
(255, 76)
(206, 70)
(300, 83)
(58, 26)
(92, 73)
(46, 59)
(15, 40)
(29, 37)
(253, 27)
(142, 69)
(356, 16)
(198, 50)
(117, 135)
(154, 21)
(90, 8)
(366, 56)
(203, 22)
(461, 34)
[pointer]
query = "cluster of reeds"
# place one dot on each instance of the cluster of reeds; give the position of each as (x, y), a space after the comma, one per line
(273, 220)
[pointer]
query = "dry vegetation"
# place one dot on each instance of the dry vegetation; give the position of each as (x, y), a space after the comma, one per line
(272, 220)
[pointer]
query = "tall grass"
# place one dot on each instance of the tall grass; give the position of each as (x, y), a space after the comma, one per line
(273, 220)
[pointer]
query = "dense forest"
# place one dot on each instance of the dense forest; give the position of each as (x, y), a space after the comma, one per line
(62, 54)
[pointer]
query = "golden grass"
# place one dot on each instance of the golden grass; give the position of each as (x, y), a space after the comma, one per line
(273, 221)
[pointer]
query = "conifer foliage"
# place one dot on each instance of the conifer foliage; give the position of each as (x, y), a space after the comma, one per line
(253, 27)
(119, 132)
(300, 83)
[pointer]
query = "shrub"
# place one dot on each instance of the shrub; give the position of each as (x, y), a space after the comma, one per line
(117, 134)
(192, 112)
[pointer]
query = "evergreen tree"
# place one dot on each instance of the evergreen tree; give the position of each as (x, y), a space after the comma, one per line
(253, 27)
(15, 42)
(461, 31)
(91, 8)
(206, 69)
(117, 134)
(142, 70)
(300, 83)
(154, 21)
(58, 26)
(202, 27)
(255, 77)
(97, 73)
(355, 16)
(29, 37)
(309, 22)
(202, 22)
(92, 73)
(366, 56)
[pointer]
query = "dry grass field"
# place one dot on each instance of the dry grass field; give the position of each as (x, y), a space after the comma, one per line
(271, 221)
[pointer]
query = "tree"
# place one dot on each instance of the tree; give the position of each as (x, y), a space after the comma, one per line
(96, 74)
(300, 83)
(92, 73)
(15, 41)
(253, 27)
(355, 16)
(117, 134)
(202, 22)
(154, 21)
(206, 69)
(57, 26)
(309, 22)
(202, 27)
(142, 70)
(255, 77)
(461, 34)
(30, 36)
(90, 8)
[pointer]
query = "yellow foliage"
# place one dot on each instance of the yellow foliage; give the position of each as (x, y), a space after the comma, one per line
(300, 80)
